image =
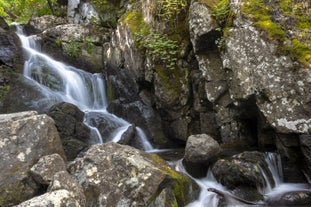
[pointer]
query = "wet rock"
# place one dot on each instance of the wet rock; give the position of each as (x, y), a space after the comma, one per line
(113, 175)
(63, 191)
(128, 135)
(10, 46)
(47, 167)
(25, 137)
(142, 116)
(244, 169)
(297, 198)
(305, 145)
(201, 150)
(69, 123)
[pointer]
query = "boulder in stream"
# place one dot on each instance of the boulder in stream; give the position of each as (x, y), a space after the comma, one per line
(201, 150)
(117, 175)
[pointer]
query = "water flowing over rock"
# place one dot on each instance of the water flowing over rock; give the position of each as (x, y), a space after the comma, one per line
(25, 137)
(75, 44)
(118, 175)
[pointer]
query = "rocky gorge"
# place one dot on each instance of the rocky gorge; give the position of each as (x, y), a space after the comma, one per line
(213, 78)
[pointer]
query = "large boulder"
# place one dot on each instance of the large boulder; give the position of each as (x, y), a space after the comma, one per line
(201, 150)
(119, 175)
(75, 135)
(24, 138)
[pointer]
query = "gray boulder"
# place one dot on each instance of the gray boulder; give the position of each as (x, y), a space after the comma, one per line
(46, 167)
(64, 191)
(118, 175)
(39, 24)
(201, 150)
(25, 137)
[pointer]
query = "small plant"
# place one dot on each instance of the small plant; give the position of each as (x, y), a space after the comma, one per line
(58, 42)
(73, 48)
(160, 47)
(168, 9)
(89, 44)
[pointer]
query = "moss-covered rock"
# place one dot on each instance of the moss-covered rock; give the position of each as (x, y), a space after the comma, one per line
(113, 174)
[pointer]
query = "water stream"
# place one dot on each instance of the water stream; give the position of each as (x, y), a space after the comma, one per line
(59, 82)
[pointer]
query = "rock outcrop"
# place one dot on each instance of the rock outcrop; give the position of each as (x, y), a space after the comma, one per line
(118, 175)
(24, 139)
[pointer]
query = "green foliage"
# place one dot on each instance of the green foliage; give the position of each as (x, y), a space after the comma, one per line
(23, 10)
(89, 44)
(58, 42)
(73, 48)
(160, 48)
(168, 9)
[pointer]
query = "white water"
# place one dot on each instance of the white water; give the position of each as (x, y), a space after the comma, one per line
(272, 190)
(60, 82)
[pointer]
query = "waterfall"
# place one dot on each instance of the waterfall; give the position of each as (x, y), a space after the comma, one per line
(59, 82)
(272, 190)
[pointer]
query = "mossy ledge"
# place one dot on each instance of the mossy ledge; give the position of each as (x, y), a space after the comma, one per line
(180, 183)
(287, 22)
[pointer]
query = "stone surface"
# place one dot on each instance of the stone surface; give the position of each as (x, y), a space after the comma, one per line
(244, 169)
(82, 45)
(44, 170)
(201, 149)
(81, 12)
(39, 24)
(73, 132)
(305, 145)
(119, 175)
(24, 138)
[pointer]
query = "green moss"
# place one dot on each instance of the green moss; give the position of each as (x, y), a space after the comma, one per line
(300, 52)
(259, 12)
(179, 183)
(275, 28)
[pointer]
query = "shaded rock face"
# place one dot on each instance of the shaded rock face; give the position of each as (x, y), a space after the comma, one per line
(73, 132)
(10, 59)
(25, 137)
(118, 175)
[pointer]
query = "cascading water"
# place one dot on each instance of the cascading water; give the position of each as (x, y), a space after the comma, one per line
(58, 82)
(273, 188)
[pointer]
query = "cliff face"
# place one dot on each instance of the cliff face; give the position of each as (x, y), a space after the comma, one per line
(233, 78)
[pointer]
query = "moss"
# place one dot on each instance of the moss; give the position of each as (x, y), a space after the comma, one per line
(259, 12)
(290, 16)
(300, 52)
(179, 183)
